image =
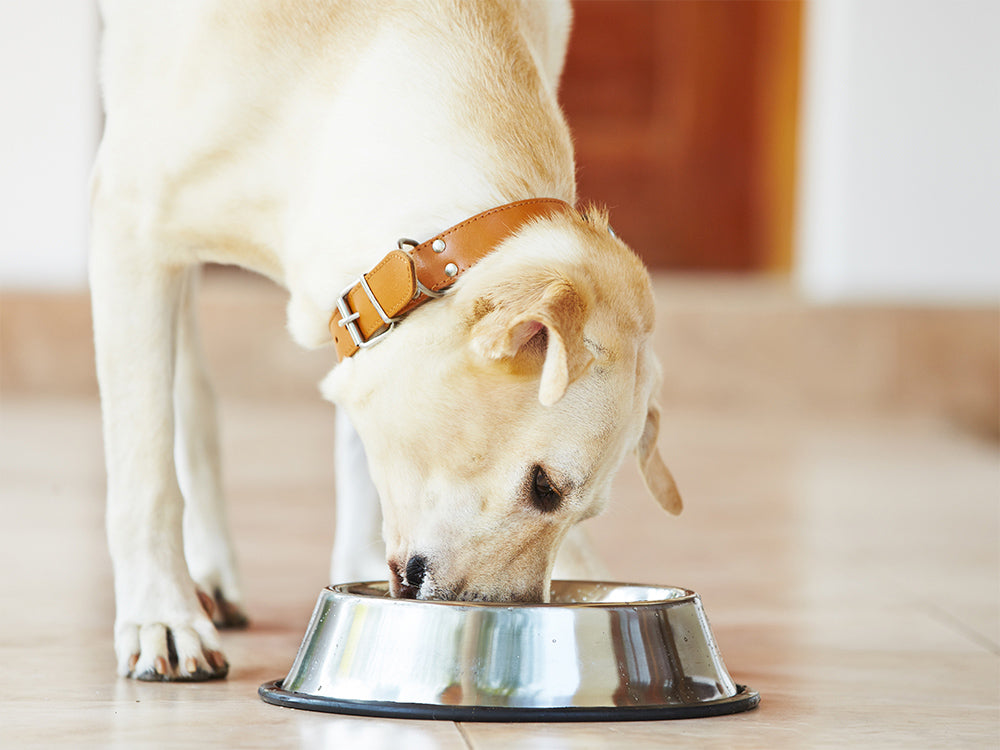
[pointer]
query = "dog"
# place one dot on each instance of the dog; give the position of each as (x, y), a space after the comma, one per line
(495, 371)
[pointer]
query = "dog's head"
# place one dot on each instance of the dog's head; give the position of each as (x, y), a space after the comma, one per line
(495, 418)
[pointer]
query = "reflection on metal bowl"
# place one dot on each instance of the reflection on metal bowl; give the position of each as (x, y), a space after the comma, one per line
(597, 651)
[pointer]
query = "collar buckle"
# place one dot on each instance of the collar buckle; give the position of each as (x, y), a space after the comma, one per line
(349, 317)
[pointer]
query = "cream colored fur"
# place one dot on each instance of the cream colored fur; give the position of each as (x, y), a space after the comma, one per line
(300, 139)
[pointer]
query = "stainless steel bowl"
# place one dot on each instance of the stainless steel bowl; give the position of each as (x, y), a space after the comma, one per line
(597, 651)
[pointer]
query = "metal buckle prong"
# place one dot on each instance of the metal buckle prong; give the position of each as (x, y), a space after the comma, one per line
(346, 320)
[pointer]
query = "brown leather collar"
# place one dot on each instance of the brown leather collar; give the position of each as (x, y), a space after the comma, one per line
(405, 278)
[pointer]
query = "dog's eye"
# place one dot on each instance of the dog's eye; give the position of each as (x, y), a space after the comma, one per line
(544, 496)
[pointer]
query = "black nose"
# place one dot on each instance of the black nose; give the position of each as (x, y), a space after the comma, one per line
(416, 569)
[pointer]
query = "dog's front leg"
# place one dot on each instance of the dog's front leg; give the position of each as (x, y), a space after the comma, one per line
(207, 544)
(161, 630)
(358, 548)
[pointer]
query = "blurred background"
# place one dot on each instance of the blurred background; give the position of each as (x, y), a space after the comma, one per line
(850, 144)
(814, 182)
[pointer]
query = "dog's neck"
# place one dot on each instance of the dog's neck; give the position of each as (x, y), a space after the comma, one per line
(439, 143)
(417, 272)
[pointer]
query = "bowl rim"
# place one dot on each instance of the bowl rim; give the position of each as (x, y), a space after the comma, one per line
(379, 593)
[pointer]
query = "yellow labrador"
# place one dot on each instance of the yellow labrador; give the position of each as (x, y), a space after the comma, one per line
(496, 368)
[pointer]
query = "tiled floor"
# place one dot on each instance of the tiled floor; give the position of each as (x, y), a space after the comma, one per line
(849, 565)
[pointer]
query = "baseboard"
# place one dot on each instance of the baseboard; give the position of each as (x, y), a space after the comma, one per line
(726, 343)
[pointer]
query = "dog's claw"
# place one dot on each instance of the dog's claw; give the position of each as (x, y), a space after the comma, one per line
(217, 661)
(185, 652)
(222, 612)
(207, 604)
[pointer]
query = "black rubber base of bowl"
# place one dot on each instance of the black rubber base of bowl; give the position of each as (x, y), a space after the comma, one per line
(272, 692)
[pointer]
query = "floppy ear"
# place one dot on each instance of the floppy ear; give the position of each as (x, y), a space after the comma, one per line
(657, 476)
(543, 318)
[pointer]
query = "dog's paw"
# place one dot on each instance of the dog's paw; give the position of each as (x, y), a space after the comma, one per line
(176, 652)
(223, 612)
(217, 583)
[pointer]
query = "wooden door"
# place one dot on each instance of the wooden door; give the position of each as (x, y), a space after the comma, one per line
(684, 114)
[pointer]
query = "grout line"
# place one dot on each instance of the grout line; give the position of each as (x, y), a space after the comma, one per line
(963, 629)
(465, 735)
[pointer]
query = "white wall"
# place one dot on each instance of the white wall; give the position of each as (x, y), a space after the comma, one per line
(900, 160)
(49, 125)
